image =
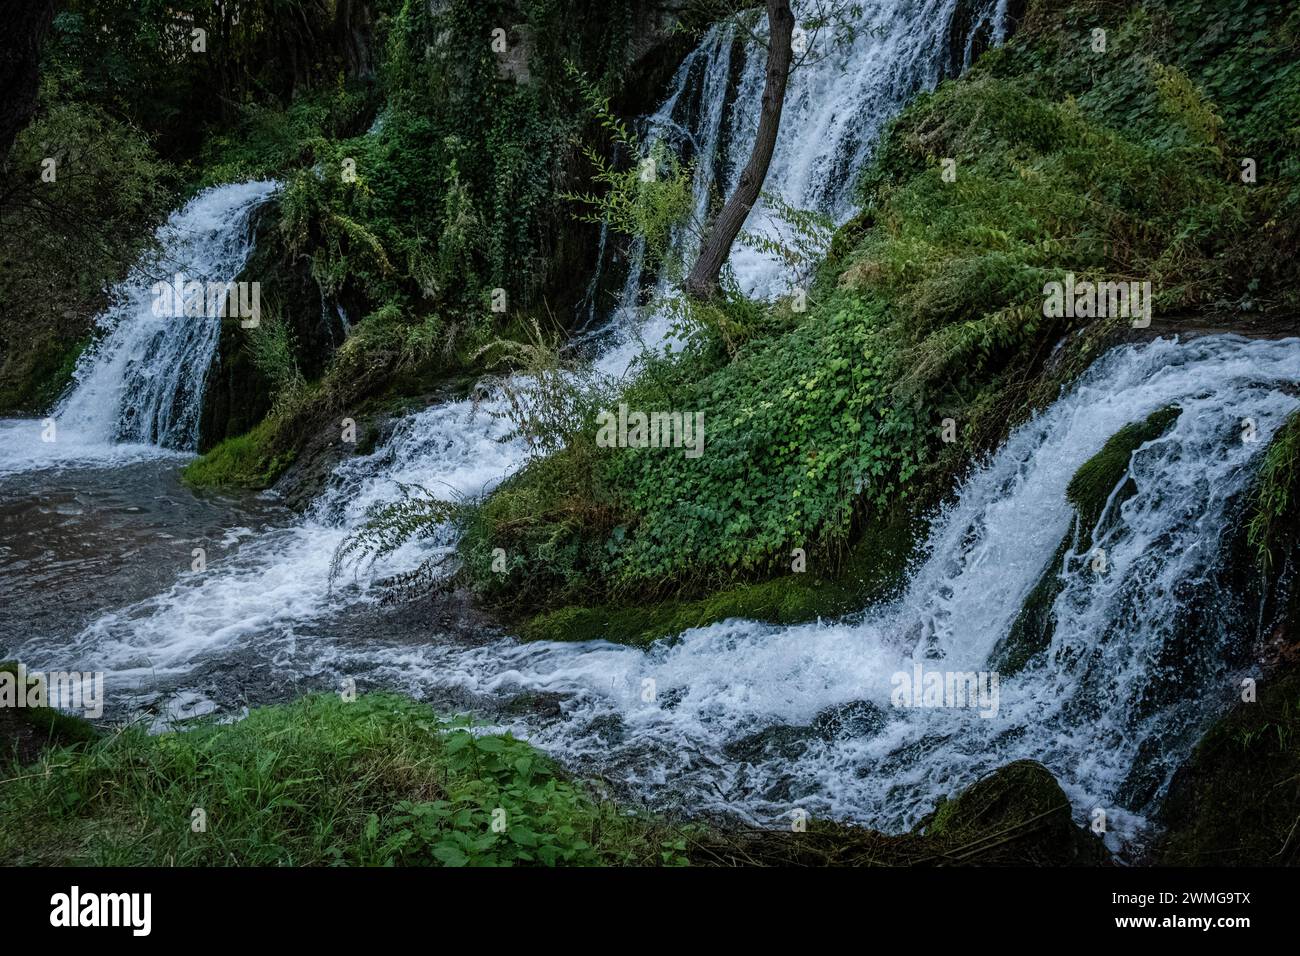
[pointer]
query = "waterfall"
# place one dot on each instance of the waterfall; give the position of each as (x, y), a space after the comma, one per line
(739, 715)
(837, 102)
(279, 581)
(757, 719)
(142, 383)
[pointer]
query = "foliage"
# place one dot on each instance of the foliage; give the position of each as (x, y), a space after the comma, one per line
(268, 140)
(271, 347)
(870, 574)
(799, 239)
(417, 516)
(933, 310)
(252, 460)
(650, 200)
(548, 396)
(377, 781)
(63, 239)
(142, 61)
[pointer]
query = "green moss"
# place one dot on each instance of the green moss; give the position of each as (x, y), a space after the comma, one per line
(380, 780)
(1273, 521)
(874, 569)
(1022, 797)
(252, 460)
(32, 382)
(1098, 477)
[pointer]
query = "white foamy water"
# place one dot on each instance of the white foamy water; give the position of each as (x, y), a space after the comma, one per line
(837, 101)
(281, 580)
(138, 391)
(1129, 678)
(1131, 675)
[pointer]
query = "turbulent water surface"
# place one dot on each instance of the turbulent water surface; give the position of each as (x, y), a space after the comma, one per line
(98, 539)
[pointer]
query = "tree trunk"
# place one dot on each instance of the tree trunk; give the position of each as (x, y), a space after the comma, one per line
(702, 283)
(25, 23)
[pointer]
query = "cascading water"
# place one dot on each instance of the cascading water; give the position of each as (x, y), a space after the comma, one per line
(280, 580)
(142, 384)
(757, 719)
(837, 102)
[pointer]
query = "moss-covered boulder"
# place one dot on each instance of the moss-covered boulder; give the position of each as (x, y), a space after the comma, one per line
(1099, 476)
(1016, 816)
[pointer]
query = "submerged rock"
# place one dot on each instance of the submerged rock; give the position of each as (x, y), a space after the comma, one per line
(857, 718)
(780, 741)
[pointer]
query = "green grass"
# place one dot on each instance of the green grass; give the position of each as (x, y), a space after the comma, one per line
(380, 780)
(51, 725)
(1275, 499)
(252, 460)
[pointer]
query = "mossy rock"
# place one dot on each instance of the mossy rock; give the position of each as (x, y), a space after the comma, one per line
(1016, 816)
(252, 460)
(32, 379)
(1272, 525)
(25, 732)
(1236, 800)
(1088, 492)
(874, 570)
(1031, 632)
(1098, 477)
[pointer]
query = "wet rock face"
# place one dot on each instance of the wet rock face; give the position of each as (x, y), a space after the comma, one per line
(1236, 799)
(969, 32)
(237, 395)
